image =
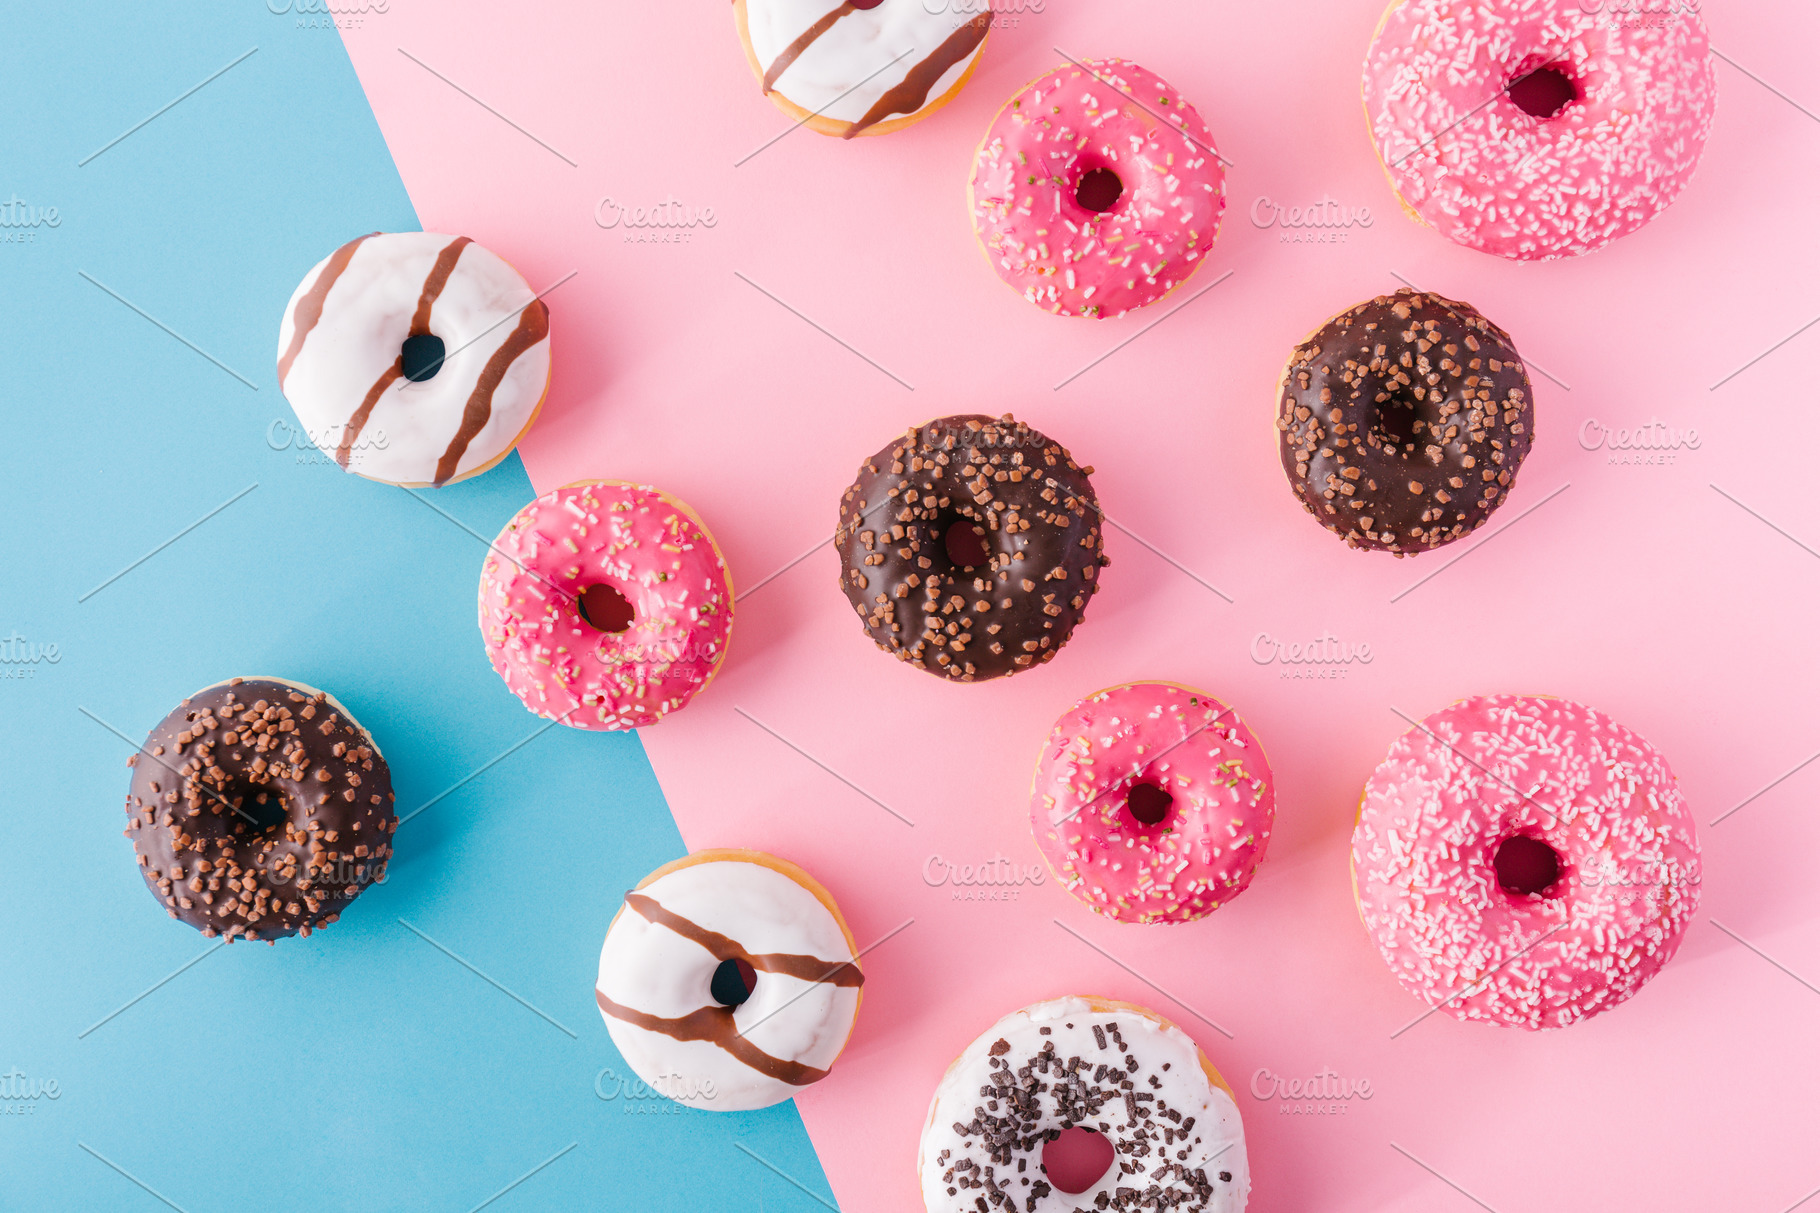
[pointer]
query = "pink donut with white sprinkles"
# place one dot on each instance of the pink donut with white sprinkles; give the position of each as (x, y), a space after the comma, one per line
(1525, 861)
(1538, 129)
(605, 605)
(1097, 189)
(1152, 803)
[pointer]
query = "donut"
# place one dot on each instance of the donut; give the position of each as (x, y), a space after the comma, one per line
(605, 605)
(1108, 1067)
(729, 981)
(413, 358)
(1524, 861)
(1537, 129)
(259, 808)
(970, 547)
(1152, 802)
(1096, 190)
(846, 70)
(1403, 422)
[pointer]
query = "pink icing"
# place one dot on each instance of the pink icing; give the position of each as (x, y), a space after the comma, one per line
(643, 543)
(1212, 837)
(1471, 163)
(1434, 815)
(1061, 128)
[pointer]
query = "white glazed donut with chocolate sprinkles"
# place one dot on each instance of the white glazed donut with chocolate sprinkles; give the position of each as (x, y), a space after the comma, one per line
(729, 980)
(414, 358)
(1081, 1062)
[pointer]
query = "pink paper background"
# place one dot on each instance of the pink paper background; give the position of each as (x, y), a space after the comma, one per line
(1639, 589)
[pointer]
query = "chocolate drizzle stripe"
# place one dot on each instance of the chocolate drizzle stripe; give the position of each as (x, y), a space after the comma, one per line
(432, 285)
(357, 422)
(789, 964)
(803, 41)
(533, 326)
(437, 278)
(715, 1025)
(909, 94)
(309, 308)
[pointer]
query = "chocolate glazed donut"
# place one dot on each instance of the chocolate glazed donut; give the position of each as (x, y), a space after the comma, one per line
(971, 547)
(1403, 421)
(259, 808)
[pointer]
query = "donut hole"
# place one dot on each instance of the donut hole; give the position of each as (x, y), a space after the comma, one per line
(1148, 803)
(258, 813)
(965, 542)
(1076, 1159)
(604, 608)
(1402, 422)
(1544, 92)
(421, 356)
(1527, 867)
(733, 982)
(1099, 190)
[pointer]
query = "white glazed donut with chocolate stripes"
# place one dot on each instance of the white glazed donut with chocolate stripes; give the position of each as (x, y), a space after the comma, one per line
(729, 981)
(861, 67)
(414, 358)
(1111, 1068)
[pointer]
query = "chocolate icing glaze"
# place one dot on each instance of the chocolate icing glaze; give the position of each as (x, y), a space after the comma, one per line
(259, 810)
(1040, 522)
(1404, 421)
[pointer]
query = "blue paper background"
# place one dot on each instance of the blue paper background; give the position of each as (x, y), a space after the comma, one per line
(361, 1068)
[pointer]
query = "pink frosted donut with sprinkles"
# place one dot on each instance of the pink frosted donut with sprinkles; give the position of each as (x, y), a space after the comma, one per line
(1097, 189)
(1524, 861)
(605, 605)
(1152, 802)
(1538, 129)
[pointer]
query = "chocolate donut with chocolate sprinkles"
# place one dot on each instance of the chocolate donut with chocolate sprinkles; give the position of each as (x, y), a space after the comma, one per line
(971, 547)
(1404, 421)
(260, 808)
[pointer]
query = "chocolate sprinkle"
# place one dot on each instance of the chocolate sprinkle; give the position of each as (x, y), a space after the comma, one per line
(1404, 421)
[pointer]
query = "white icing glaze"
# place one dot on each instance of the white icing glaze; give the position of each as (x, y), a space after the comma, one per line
(657, 971)
(366, 316)
(834, 76)
(1214, 1144)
